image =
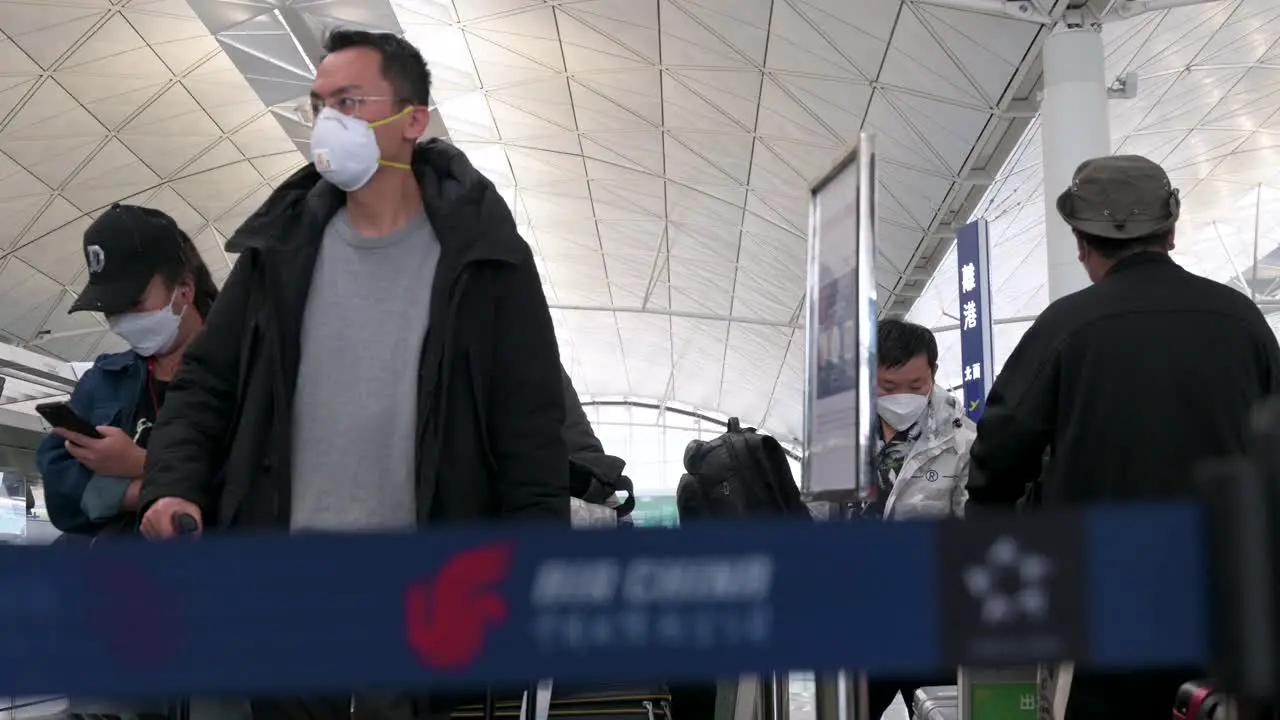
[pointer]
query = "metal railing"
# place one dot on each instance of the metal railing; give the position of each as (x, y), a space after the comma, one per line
(15, 703)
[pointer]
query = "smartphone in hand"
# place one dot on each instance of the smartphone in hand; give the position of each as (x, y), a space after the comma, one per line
(60, 415)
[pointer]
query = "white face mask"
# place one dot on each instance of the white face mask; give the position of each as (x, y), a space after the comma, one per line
(345, 150)
(901, 410)
(149, 333)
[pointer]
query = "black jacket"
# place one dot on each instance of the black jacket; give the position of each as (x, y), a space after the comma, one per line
(578, 435)
(491, 404)
(1130, 383)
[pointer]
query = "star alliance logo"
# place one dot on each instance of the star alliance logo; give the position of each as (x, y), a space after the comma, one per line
(1022, 589)
(1010, 583)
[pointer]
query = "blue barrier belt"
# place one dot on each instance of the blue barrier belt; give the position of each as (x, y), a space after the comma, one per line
(241, 615)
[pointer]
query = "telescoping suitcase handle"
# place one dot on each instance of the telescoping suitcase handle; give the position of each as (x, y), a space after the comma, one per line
(185, 524)
(528, 705)
(536, 704)
(537, 701)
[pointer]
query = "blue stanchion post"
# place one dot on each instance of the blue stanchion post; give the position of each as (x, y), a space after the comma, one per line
(1242, 503)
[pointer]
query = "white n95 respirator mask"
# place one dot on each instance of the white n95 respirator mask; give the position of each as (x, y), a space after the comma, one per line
(901, 410)
(149, 333)
(345, 150)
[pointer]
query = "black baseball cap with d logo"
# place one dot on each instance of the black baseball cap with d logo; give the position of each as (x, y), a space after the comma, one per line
(124, 249)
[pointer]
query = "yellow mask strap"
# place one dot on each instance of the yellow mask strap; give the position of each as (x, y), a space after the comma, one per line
(393, 118)
(384, 121)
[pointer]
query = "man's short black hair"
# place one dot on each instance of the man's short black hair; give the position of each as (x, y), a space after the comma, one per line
(1111, 249)
(898, 342)
(402, 65)
(206, 290)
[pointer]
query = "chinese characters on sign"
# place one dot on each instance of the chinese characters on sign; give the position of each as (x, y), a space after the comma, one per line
(970, 311)
(1001, 697)
(975, 315)
(580, 629)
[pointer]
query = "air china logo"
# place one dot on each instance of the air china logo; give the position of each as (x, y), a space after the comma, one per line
(673, 602)
(448, 616)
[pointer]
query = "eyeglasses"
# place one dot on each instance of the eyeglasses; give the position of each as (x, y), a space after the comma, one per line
(348, 105)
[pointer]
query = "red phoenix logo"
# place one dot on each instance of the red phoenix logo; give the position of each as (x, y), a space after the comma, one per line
(447, 617)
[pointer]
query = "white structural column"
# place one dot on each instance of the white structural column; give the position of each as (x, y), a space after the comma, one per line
(1074, 126)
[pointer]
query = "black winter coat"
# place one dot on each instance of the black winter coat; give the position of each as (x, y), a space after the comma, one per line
(491, 403)
(578, 435)
(1130, 383)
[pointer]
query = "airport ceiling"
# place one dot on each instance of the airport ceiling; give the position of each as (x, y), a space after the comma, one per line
(656, 153)
(1208, 109)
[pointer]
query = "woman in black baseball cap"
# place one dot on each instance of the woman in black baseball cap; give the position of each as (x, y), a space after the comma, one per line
(146, 277)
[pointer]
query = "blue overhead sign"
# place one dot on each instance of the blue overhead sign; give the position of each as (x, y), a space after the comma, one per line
(972, 259)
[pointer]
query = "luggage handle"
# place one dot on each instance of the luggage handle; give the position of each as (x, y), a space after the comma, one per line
(536, 703)
(185, 524)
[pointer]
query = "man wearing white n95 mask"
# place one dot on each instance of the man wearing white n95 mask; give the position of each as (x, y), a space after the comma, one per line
(381, 357)
(922, 456)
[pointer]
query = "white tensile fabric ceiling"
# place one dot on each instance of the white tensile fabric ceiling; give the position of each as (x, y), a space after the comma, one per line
(1208, 109)
(656, 152)
(661, 154)
(103, 102)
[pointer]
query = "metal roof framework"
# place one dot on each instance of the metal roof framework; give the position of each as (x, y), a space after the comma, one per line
(656, 153)
(1208, 109)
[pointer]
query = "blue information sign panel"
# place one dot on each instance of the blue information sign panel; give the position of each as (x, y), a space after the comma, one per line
(975, 315)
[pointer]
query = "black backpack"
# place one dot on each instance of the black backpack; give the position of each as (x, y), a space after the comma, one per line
(739, 474)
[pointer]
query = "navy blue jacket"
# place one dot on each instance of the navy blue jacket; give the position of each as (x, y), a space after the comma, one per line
(78, 500)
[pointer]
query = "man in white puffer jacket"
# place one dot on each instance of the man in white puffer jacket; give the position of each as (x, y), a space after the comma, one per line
(922, 455)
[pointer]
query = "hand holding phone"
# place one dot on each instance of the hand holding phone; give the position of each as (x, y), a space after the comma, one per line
(105, 450)
(60, 415)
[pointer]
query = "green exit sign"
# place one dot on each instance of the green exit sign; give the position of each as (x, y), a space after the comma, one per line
(1003, 701)
(655, 511)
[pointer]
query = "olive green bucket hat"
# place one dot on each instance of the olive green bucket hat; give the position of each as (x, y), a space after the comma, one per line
(1120, 197)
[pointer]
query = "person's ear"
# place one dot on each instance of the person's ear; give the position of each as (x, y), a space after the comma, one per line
(187, 288)
(419, 120)
(1082, 250)
(1171, 244)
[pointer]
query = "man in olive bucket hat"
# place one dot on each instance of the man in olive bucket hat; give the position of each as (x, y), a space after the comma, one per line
(1129, 384)
(1117, 206)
